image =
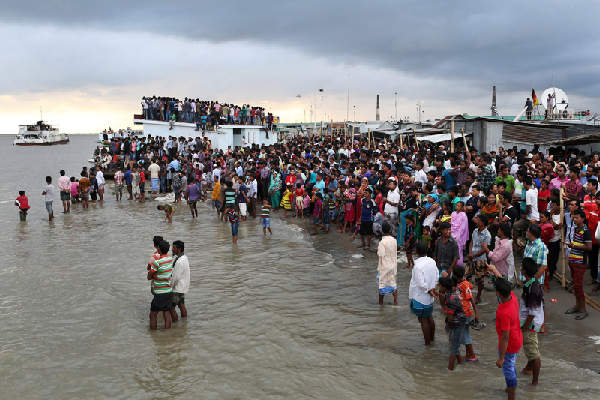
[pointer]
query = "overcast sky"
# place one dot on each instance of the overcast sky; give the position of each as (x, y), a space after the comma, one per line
(88, 63)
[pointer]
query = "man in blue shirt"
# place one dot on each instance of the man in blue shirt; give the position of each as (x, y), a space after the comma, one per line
(320, 183)
(449, 174)
(128, 182)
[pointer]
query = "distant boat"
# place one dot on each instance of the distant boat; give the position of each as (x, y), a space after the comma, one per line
(106, 136)
(40, 134)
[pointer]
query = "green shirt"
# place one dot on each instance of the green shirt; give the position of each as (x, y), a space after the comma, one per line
(509, 180)
(162, 280)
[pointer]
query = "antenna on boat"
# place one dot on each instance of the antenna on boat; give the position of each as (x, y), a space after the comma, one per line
(41, 115)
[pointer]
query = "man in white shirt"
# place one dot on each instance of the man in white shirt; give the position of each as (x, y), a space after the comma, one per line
(422, 292)
(531, 215)
(101, 183)
(420, 175)
(252, 189)
(180, 280)
(390, 211)
(154, 169)
(64, 184)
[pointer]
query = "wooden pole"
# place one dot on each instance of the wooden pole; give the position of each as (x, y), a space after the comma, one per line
(369, 137)
(462, 132)
(401, 141)
(562, 235)
(345, 131)
(452, 136)
(416, 140)
(386, 144)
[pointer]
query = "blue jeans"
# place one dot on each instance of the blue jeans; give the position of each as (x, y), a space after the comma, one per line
(163, 184)
(168, 115)
(454, 338)
(466, 338)
(509, 369)
(234, 228)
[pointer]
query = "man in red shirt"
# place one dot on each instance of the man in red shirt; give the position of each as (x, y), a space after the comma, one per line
(508, 328)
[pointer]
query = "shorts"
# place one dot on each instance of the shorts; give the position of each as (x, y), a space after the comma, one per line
(478, 269)
(316, 220)
(65, 196)
(119, 188)
(136, 189)
(530, 345)
(142, 187)
(216, 204)
(84, 195)
(454, 338)
(366, 228)
(243, 209)
(161, 302)
(177, 298)
(509, 369)
(234, 228)
(466, 338)
(265, 222)
(49, 207)
(100, 187)
(191, 202)
(421, 310)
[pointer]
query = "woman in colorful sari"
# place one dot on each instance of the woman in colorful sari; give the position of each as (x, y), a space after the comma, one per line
(460, 229)
(275, 190)
(349, 199)
(491, 209)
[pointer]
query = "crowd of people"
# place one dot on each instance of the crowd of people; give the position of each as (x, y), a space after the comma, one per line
(205, 114)
(467, 214)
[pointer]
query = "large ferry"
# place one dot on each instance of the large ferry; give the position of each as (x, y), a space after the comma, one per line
(40, 134)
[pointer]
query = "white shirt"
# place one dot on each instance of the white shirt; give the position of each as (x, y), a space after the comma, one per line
(154, 169)
(393, 197)
(425, 276)
(180, 278)
(252, 189)
(100, 178)
(531, 199)
(421, 176)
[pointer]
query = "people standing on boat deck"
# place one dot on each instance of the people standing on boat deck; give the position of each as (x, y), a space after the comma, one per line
(101, 182)
(64, 185)
(180, 279)
(529, 108)
(49, 193)
(23, 203)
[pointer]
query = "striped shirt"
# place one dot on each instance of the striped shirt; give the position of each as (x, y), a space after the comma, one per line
(265, 212)
(163, 268)
(580, 237)
(233, 216)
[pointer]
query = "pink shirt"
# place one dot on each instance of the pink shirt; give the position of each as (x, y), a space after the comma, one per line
(499, 257)
(74, 188)
(556, 183)
(64, 183)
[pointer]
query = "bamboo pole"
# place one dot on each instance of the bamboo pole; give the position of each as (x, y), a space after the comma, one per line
(562, 235)
(452, 136)
(401, 141)
(386, 144)
(416, 140)
(345, 131)
(369, 137)
(462, 132)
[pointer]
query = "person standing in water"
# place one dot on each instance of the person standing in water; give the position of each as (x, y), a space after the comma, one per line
(23, 203)
(160, 274)
(64, 184)
(180, 280)
(49, 193)
(388, 264)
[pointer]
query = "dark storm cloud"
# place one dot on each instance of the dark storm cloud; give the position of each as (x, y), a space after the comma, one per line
(510, 43)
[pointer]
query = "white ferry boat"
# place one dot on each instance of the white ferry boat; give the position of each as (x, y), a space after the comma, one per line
(40, 134)
(107, 135)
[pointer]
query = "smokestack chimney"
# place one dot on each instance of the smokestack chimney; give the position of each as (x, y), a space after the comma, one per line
(494, 109)
(377, 110)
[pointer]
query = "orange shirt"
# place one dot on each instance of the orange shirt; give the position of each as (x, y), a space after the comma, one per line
(464, 289)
